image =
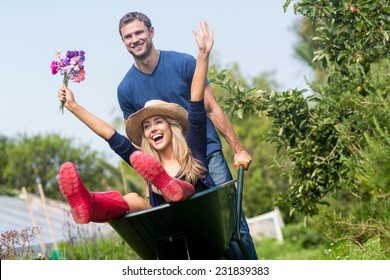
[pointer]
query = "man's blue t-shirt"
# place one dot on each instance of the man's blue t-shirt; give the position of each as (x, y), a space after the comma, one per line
(170, 81)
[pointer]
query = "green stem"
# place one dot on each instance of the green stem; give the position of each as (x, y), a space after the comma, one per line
(65, 81)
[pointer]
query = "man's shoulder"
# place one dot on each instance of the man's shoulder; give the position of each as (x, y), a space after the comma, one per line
(175, 55)
(182, 62)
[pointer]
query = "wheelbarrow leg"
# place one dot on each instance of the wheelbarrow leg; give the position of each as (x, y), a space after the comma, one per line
(175, 243)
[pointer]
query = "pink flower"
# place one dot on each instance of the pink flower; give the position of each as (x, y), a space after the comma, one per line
(54, 67)
(79, 77)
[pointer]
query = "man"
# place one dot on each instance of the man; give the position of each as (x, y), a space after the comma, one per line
(167, 75)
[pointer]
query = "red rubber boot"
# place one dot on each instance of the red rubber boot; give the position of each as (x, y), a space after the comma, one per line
(88, 207)
(172, 189)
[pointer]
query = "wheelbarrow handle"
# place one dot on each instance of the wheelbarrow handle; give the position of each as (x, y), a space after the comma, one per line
(241, 166)
(240, 189)
(244, 164)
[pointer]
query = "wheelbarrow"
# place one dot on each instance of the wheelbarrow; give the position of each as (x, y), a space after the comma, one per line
(198, 228)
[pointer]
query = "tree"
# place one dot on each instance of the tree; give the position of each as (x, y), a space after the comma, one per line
(3, 159)
(335, 139)
(262, 183)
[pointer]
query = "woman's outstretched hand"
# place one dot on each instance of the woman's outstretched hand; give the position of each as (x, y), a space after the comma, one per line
(66, 96)
(204, 37)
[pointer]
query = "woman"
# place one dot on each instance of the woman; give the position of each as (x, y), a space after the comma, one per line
(173, 143)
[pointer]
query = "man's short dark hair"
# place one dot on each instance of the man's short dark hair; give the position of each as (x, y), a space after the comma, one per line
(130, 17)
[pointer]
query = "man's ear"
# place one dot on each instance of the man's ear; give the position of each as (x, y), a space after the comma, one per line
(151, 31)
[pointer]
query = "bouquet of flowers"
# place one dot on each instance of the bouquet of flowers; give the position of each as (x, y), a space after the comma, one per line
(71, 66)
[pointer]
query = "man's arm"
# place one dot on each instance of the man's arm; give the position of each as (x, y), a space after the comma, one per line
(224, 127)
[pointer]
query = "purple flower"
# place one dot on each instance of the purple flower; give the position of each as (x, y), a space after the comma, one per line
(70, 54)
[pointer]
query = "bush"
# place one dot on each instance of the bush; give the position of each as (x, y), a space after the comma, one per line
(16, 245)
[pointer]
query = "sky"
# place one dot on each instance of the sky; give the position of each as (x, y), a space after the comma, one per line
(255, 34)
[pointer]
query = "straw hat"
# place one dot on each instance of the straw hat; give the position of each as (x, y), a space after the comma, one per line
(154, 108)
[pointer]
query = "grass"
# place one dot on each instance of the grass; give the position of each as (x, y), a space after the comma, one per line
(298, 245)
(347, 250)
(108, 248)
(272, 249)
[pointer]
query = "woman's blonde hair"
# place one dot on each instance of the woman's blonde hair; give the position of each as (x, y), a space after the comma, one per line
(190, 168)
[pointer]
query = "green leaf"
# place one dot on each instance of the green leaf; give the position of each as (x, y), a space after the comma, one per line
(240, 113)
(285, 6)
(358, 26)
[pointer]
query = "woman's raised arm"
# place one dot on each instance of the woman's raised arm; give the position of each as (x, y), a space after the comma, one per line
(97, 125)
(205, 40)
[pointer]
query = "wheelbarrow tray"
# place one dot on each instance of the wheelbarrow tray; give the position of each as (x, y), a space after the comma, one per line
(199, 228)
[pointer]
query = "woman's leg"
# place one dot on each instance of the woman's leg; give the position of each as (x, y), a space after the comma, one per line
(89, 206)
(172, 189)
(136, 202)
